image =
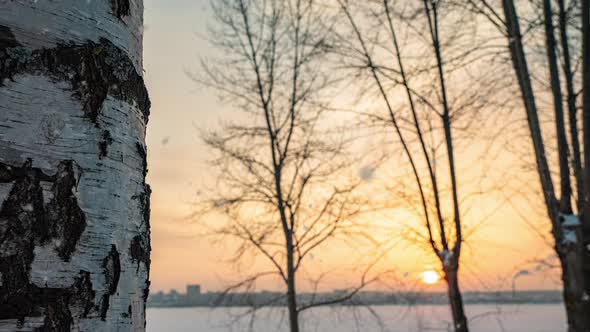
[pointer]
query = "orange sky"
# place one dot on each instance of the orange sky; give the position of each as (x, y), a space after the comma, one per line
(173, 42)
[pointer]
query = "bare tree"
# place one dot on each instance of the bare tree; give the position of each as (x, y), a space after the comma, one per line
(571, 236)
(74, 205)
(423, 124)
(284, 186)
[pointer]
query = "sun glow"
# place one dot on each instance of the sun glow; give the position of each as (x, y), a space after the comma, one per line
(430, 277)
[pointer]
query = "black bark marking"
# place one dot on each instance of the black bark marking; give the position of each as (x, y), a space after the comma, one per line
(143, 155)
(112, 272)
(58, 316)
(146, 291)
(120, 8)
(140, 247)
(144, 201)
(105, 142)
(58, 303)
(128, 314)
(25, 222)
(55, 303)
(104, 306)
(67, 220)
(84, 293)
(94, 70)
(22, 225)
(139, 251)
(16, 295)
(7, 38)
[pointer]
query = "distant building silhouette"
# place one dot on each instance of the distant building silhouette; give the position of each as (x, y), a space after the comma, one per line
(193, 293)
(194, 297)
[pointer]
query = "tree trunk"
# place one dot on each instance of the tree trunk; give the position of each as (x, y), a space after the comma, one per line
(571, 103)
(292, 307)
(576, 301)
(291, 290)
(565, 206)
(584, 240)
(74, 214)
(451, 268)
(566, 228)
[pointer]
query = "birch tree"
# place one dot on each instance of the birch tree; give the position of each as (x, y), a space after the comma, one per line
(567, 202)
(74, 214)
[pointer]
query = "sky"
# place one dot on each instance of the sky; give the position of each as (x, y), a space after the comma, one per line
(173, 42)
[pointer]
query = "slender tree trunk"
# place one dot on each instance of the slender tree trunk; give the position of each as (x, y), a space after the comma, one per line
(586, 110)
(450, 260)
(526, 89)
(575, 298)
(289, 246)
(292, 294)
(571, 103)
(565, 227)
(584, 240)
(74, 205)
(565, 206)
(455, 298)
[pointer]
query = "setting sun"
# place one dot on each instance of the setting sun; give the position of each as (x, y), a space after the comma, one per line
(430, 277)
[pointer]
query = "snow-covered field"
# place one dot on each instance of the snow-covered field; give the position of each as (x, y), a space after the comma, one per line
(483, 318)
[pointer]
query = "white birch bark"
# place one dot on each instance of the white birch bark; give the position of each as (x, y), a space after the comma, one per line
(74, 205)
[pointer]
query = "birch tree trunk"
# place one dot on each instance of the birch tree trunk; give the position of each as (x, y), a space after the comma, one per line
(74, 214)
(566, 227)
